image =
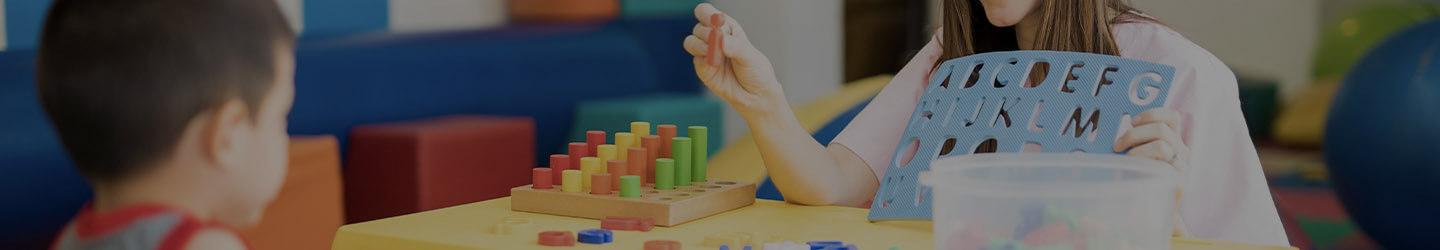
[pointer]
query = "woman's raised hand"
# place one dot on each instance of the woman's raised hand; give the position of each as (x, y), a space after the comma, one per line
(737, 72)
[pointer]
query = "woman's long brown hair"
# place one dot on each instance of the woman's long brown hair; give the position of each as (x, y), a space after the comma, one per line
(1066, 25)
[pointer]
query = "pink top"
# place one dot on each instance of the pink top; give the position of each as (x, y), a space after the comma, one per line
(1225, 194)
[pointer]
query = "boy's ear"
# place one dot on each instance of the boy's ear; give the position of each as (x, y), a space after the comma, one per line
(224, 132)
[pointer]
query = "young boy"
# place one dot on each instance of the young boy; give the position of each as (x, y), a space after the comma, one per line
(174, 111)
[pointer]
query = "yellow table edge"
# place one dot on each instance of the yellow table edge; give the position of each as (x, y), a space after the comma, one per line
(470, 226)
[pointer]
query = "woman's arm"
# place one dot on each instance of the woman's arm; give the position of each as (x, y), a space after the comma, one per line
(807, 172)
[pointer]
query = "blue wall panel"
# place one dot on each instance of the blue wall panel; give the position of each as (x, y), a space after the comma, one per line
(336, 17)
(23, 19)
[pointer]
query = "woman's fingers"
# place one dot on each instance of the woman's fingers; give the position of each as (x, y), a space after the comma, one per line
(696, 46)
(1154, 150)
(1144, 134)
(701, 31)
(1159, 115)
(704, 12)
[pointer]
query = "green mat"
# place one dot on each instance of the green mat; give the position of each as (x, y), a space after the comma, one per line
(1325, 233)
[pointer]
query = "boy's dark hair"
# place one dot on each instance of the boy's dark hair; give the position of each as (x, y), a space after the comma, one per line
(121, 80)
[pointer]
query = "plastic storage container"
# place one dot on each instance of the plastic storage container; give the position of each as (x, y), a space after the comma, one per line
(1051, 201)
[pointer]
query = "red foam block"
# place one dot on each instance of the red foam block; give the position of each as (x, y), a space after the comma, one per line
(406, 167)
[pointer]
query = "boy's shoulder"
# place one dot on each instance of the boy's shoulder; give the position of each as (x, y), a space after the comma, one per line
(144, 227)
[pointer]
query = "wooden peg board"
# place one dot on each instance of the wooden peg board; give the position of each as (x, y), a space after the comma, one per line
(667, 207)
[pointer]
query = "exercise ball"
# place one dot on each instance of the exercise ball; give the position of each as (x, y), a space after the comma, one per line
(1382, 139)
(1347, 40)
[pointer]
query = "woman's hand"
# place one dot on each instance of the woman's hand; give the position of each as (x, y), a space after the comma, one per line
(1156, 136)
(740, 74)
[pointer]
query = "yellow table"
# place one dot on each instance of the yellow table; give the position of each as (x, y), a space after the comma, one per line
(469, 226)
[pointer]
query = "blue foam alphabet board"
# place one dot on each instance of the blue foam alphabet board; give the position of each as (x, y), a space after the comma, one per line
(1078, 104)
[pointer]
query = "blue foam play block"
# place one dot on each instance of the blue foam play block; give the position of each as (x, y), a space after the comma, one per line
(614, 115)
(1079, 106)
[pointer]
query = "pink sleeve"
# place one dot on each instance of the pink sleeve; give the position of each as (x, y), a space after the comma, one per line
(1225, 192)
(875, 132)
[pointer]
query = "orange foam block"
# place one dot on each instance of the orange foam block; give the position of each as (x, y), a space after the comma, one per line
(406, 167)
(568, 11)
(309, 206)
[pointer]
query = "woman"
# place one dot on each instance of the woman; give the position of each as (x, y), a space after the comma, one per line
(1224, 196)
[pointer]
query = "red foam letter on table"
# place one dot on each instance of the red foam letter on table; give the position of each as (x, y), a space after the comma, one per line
(557, 238)
(593, 139)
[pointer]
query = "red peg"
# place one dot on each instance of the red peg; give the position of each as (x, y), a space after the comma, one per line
(636, 164)
(541, 178)
(593, 139)
(652, 150)
(666, 132)
(577, 150)
(558, 163)
(600, 184)
(616, 168)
